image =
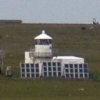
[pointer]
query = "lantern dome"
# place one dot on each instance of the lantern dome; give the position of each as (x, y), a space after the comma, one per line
(43, 35)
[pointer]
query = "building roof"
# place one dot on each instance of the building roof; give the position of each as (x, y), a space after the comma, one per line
(70, 59)
(67, 57)
(43, 35)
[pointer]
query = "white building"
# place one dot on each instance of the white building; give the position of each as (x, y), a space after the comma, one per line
(40, 62)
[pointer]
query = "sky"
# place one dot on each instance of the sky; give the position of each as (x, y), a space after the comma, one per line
(51, 11)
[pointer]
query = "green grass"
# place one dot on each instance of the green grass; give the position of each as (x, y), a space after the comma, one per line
(48, 89)
(68, 40)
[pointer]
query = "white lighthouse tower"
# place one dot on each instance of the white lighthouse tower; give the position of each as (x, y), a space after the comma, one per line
(43, 46)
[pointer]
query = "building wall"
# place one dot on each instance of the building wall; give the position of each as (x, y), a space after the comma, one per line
(28, 58)
(53, 69)
(76, 71)
(43, 50)
(30, 70)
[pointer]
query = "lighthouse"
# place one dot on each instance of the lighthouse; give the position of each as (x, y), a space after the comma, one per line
(41, 63)
(43, 46)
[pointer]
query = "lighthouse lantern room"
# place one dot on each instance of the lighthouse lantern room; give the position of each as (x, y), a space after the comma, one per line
(43, 46)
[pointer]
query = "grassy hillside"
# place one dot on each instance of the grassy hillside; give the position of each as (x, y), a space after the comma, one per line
(67, 39)
(48, 90)
(80, 40)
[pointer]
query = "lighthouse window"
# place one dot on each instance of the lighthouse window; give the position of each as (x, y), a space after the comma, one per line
(23, 70)
(49, 63)
(76, 70)
(71, 70)
(32, 75)
(59, 64)
(37, 70)
(28, 75)
(44, 42)
(76, 75)
(85, 75)
(71, 75)
(54, 74)
(85, 66)
(32, 70)
(22, 65)
(27, 65)
(80, 70)
(37, 65)
(80, 65)
(44, 64)
(45, 69)
(67, 75)
(76, 65)
(54, 68)
(59, 69)
(66, 70)
(54, 64)
(66, 66)
(45, 74)
(37, 75)
(23, 75)
(27, 70)
(50, 74)
(71, 65)
(32, 65)
(59, 73)
(49, 68)
(49, 41)
(81, 75)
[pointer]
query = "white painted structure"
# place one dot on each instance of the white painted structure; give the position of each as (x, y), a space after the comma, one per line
(39, 62)
(43, 47)
(69, 59)
(28, 58)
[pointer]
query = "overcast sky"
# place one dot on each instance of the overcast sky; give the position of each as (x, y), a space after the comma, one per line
(51, 11)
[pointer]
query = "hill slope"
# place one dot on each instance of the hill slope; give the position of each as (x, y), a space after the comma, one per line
(80, 40)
